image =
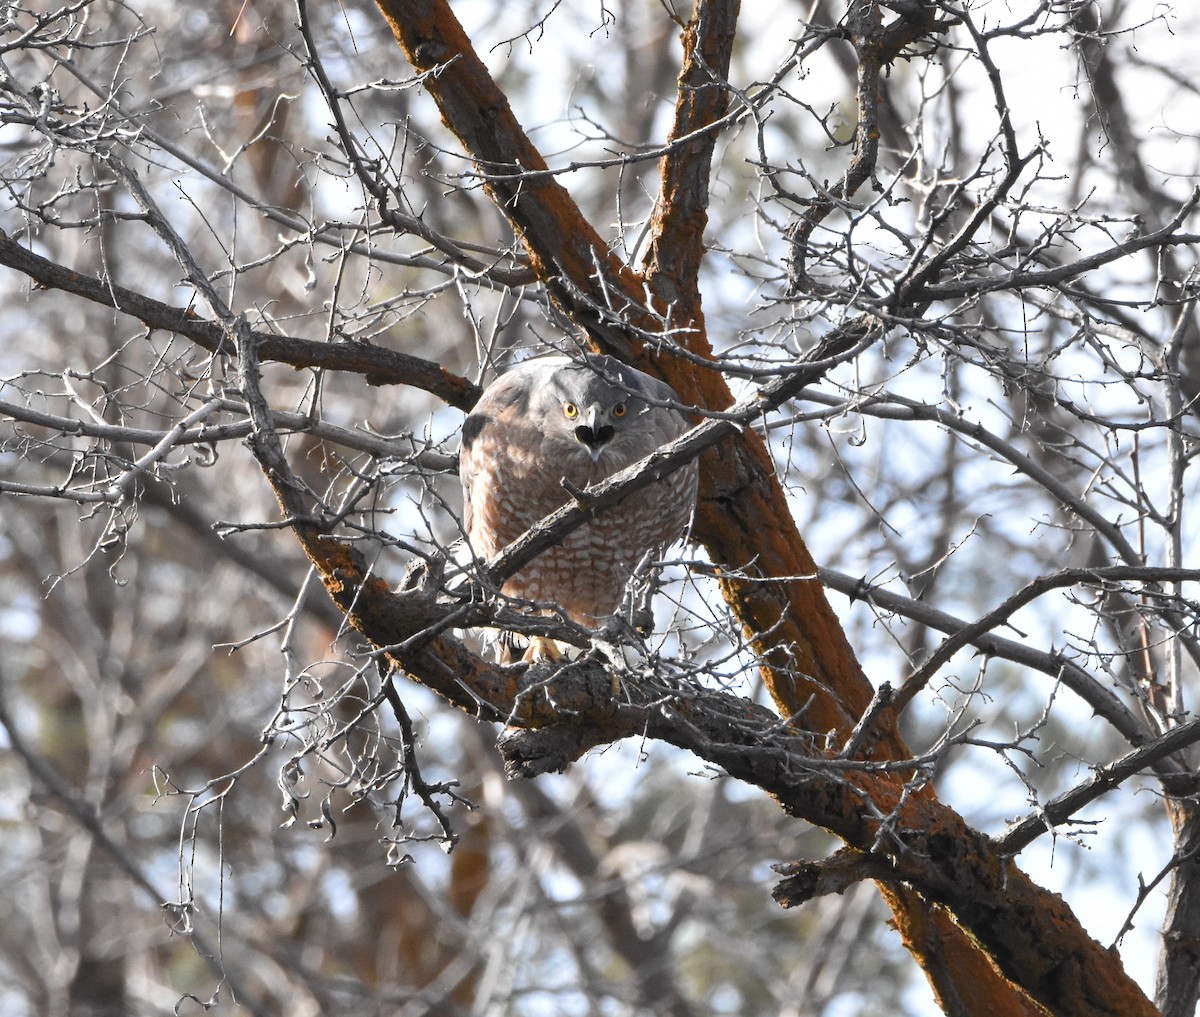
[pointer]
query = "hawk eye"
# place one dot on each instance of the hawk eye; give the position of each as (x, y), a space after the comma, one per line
(620, 410)
(570, 410)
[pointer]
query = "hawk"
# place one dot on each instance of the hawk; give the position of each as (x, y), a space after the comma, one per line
(582, 420)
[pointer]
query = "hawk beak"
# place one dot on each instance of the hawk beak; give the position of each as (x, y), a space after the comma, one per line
(592, 434)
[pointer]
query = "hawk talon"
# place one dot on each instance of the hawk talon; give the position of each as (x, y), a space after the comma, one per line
(542, 650)
(531, 650)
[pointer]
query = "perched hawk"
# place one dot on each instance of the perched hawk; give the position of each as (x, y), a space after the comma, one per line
(583, 420)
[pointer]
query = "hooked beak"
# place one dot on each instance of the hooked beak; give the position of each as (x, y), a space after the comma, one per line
(592, 434)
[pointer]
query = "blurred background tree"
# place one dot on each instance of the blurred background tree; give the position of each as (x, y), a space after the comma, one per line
(946, 259)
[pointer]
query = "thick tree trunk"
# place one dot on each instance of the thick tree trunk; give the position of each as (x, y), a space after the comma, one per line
(810, 667)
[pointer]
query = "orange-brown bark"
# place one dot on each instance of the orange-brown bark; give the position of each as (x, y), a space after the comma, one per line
(1030, 934)
(958, 971)
(961, 975)
(676, 244)
(738, 491)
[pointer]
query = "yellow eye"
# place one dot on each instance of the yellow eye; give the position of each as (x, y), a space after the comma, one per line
(570, 410)
(620, 410)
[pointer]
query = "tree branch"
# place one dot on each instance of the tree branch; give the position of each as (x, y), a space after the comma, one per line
(377, 364)
(1104, 779)
(676, 246)
(1103, 701)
